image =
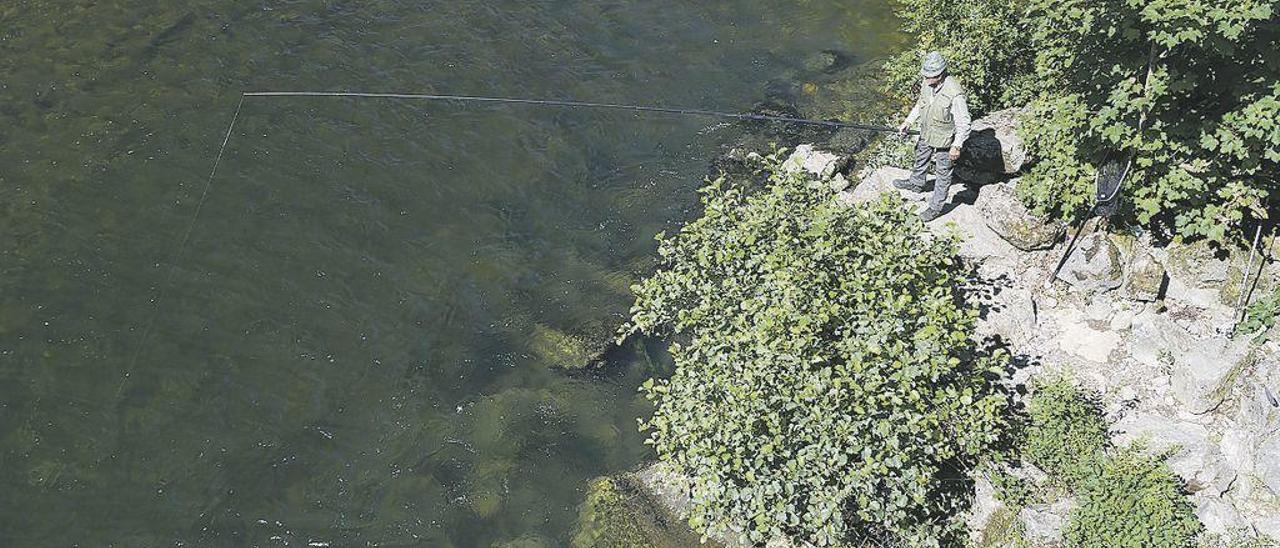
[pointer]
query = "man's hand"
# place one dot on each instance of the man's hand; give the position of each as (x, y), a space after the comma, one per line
(902, 130)
(955, 153)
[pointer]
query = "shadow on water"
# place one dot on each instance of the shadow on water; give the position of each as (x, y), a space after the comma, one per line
(341, 353)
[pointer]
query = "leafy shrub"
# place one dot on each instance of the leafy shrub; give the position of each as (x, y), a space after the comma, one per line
(1066, 435)
(1201, 74)
(986, 42)
(1134, 501)
(1260, 316)
(829, 382)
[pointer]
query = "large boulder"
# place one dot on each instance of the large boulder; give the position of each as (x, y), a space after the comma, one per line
(1192, 453)
(1204, 373)
(1006, 215)
(1094, 266)
(994, 150)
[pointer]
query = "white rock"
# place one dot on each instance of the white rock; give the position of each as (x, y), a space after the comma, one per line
(1094, 265)
(819, 163)
(1203, 374)
(1078, 339)
(1123, 320)
(1219, 516)
(1267, 466)
(1194, 457)
(839, 183)
(877, 183)
(1043, 523)
(1237, 446)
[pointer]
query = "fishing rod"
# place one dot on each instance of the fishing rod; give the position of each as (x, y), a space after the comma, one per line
(578, 104)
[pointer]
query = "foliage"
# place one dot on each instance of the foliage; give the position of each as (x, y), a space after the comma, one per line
(1134, 501)
(985, 42)
(1201, 76)
(1260, 316)
(828, 385)
(1124, 496)
(1066, 435)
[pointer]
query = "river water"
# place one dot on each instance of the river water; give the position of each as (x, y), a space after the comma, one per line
(336, 351)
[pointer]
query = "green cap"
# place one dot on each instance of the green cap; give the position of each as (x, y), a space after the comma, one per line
(934, 65)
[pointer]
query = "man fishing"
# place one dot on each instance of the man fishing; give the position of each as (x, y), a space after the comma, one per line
(944, 127)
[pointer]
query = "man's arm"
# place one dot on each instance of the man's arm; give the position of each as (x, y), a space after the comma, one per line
(964, 123)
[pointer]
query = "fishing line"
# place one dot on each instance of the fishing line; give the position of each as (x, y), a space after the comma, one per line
(576, 104)
(182, 247)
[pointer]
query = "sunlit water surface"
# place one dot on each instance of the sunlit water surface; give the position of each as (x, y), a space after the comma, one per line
(340, 353)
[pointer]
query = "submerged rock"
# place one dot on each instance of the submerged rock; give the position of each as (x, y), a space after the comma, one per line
(1006, 215)
(583, 348)
(618, 513)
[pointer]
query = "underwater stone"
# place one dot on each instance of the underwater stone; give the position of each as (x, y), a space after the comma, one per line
(582, 349)
(618, 513)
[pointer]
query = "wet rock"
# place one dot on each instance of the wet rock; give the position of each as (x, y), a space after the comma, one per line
(619, 513)
(1094, 265)
(1042, 523)
(994, 149)
(1203, 374)
(1145, 279)
(1006, 215)
(1194, 457)
(821, 164)
(578, 349)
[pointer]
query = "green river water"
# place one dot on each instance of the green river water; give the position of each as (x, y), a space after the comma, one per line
(340, 354)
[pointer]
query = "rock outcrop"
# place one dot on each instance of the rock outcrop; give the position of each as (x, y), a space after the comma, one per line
(1006, 215)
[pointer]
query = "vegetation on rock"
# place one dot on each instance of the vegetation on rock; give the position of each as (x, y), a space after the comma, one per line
(828, 385)
(1124, 496)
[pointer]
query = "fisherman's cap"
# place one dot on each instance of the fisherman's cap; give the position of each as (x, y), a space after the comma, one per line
(934, 65)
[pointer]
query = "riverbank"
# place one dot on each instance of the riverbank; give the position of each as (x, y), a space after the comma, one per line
(1147, 327)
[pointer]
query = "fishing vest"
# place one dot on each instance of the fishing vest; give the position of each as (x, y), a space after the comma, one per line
(937, 123)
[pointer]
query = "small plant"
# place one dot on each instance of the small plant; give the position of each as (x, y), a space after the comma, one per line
(1066, 435)
(1260, 316)
(1134, 501)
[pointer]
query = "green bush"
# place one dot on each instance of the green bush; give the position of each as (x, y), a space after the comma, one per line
(1201, 74)
(1124, 497)
(1066, 435)
(987, 43)
(828, 383)
(1134, 502)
